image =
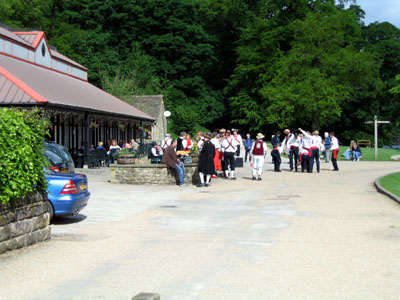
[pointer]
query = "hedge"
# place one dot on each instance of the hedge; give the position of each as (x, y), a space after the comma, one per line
(22, 134)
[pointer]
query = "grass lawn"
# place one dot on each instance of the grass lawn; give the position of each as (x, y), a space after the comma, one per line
(391, 183)
(368, 154)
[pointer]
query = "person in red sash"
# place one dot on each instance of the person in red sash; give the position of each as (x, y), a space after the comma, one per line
(335, 151)
(229, 147)
(217, 158)
(276, 158)
(258, 152)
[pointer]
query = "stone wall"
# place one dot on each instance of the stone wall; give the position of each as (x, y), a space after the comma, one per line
(151, 174)
(25, 222)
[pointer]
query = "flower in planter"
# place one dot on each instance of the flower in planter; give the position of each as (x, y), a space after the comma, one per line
(125, 151)
(121, 126)
(93, 124)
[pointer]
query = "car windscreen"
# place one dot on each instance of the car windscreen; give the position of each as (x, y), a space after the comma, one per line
(52, 157)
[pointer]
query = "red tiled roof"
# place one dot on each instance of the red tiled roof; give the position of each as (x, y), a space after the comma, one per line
(60, 89)
(13, 90)
(31, 37)
(12, 36)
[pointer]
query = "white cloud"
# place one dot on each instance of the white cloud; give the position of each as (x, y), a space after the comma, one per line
(381, 11)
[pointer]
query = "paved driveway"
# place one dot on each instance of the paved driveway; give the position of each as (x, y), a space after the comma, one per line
(291, 236)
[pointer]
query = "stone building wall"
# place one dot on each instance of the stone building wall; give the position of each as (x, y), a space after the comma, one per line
(24, 223)
(151, 174)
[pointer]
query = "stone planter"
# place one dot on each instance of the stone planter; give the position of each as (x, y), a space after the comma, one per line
(126, 159)
(195, 158)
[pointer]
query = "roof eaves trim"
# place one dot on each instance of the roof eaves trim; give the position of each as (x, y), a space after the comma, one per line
(34, 95)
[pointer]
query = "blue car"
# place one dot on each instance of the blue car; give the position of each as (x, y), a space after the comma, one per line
(68, 193)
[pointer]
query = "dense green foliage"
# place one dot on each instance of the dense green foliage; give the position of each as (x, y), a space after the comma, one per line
(391, 183)
(259, 65)
(21, 158)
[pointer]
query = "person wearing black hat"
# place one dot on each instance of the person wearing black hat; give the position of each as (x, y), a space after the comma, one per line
(206, 161)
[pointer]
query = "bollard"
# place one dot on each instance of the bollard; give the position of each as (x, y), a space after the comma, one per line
(146, 296)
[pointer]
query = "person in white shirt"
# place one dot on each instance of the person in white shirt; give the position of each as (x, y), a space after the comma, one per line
(187, 143)
(316, 145)
(258, 152)
(304, 151)
(292, 143)
(229, 146)
(217, 158)
(167, 141)
(335, 151)
(238, 139)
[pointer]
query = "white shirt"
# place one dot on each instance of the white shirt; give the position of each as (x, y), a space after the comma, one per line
(229, 144)
(315, 140)
(265, 148)
(166, 142)
(335, 143)
(238, 138)
(185, 142)
(217, 143)
(154, 152)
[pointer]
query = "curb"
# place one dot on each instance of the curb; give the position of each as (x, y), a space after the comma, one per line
(382, 190)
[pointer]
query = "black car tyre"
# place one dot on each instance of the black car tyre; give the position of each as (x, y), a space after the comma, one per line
(51, 210)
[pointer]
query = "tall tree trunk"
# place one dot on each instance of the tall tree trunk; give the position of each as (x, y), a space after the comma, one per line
(315, 121)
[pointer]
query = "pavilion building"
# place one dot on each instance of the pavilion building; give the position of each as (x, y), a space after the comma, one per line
(34, 75)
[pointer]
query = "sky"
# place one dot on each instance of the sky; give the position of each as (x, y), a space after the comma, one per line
(381, 10)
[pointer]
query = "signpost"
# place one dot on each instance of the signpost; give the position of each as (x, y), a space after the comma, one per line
(376, 122)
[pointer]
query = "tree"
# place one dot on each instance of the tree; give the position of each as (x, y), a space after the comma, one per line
(313, 79)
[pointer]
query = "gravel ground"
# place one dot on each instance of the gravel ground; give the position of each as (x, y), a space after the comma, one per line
(291, 236)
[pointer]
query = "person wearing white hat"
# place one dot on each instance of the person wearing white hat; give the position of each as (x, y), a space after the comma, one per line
(316, 145)
(167, 141)
(238, 139)
(258, 152)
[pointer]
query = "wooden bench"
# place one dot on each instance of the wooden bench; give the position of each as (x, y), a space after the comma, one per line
(366, 143)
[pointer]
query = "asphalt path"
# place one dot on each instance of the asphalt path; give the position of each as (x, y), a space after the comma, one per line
(291, 236)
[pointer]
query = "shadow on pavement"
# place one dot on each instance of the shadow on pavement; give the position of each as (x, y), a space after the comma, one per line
(68, 220)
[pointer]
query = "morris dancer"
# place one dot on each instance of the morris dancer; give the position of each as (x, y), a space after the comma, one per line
(335, 151)
(167, 141)
(258, 152)
(217, 158)
(316, 144)
(238, 139)
(304, 151)
(292, 144)
(229, 147)
(276, 157)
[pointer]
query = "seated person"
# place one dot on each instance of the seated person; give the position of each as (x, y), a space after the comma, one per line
(356, 152)
(156, 151)
(349, 151)
(113, 148)
(100, 146)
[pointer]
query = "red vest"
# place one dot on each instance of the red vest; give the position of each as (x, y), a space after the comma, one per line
(258, 148)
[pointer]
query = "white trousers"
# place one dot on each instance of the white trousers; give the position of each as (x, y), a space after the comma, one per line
(258, 164)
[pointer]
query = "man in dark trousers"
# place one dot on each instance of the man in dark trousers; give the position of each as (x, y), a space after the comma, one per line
(276, 158)
(173, 162)
(206, 161)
